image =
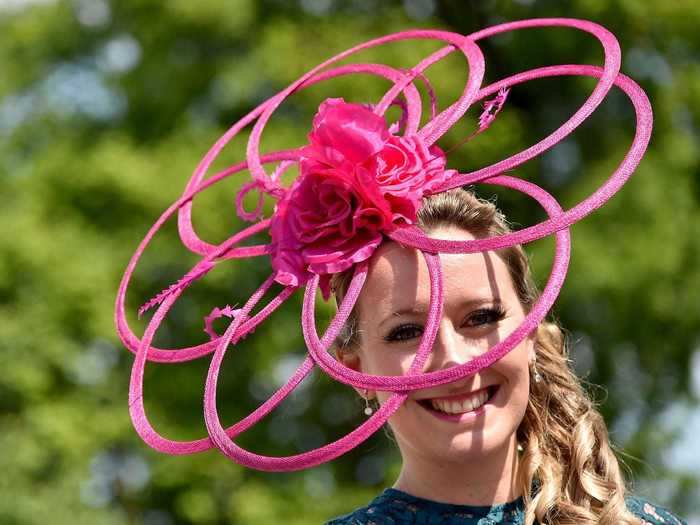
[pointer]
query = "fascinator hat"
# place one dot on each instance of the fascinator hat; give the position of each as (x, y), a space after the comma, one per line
(362, 180)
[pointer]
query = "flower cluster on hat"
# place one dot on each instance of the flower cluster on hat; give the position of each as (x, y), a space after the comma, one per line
(356, 180)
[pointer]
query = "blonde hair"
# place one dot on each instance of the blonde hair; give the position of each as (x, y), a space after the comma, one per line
(567, 461)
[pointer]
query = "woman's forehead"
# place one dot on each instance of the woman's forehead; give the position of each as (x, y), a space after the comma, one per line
(398, 277)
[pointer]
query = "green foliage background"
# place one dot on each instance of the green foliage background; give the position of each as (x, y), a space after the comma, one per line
(105, 110)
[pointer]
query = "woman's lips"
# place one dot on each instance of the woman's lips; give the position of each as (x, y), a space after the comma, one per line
(461, 397)
(427, 405)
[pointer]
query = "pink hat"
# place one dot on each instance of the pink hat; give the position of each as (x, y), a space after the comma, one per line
(361, 180)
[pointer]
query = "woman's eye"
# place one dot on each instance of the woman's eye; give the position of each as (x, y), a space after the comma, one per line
(404, 333)
(477, 319)
(486, 316)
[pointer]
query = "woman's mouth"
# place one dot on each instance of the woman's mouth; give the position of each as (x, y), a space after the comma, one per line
(460, 409)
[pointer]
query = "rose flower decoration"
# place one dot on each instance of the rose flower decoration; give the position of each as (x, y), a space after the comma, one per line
(356, 181)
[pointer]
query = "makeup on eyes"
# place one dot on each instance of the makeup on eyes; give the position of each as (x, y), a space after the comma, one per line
(480, 317)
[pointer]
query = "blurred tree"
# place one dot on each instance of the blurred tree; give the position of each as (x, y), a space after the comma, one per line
(105, 109)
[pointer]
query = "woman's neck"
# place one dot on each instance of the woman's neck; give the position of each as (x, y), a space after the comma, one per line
(488, 480)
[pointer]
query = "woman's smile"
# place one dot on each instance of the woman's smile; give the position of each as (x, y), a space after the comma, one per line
(452, 408)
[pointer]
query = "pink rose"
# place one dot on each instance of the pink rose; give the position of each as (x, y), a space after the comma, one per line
(406, 170)
(345, 133)
(356, 181)
(323, 225)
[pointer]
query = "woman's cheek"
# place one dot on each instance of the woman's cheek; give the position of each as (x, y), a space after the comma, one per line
(393, 360)
(395, 364)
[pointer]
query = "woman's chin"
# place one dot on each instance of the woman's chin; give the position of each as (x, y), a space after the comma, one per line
(475, 446)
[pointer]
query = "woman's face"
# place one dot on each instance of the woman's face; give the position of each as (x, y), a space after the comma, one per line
(480, 309)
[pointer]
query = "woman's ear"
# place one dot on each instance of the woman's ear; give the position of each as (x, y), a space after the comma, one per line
(351, 359)
(532, 344)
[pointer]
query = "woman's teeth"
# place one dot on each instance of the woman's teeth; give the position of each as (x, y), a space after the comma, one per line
(460, 407)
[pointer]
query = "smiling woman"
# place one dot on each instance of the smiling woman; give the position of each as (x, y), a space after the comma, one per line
(444, 326)
(518, 441)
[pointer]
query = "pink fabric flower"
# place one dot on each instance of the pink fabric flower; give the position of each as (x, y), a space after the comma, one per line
(405, 170)
(356, 181)
(345, 134)
(323, 225)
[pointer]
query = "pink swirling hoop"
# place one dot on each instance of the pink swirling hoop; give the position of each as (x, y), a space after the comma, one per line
(243, 323)
(539, 310)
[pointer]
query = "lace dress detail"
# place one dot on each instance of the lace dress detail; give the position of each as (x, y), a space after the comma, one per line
(652, 514)
(395, 507)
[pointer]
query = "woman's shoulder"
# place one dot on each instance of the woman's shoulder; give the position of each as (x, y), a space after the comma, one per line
(370, 513)
(356, 517)
(398, 508)
(395, 507)
(651, 513)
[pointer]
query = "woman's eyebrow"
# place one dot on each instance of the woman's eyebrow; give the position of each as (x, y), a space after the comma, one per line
(422, 309)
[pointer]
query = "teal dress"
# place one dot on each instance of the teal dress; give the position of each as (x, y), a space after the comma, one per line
(395, 507)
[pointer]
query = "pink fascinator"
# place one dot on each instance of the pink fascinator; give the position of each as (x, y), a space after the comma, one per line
(360, 181)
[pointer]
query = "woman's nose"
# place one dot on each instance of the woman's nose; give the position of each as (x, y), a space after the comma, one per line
(450, 348)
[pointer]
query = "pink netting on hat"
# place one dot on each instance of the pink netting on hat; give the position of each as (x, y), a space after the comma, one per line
(361, 181)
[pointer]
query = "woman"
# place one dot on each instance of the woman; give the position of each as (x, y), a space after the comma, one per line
(519, 441)
(515, 440)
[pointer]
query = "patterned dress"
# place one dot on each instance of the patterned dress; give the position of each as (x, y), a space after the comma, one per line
(395, 507)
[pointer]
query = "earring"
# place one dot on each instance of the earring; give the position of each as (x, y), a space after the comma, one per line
(368, 409)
